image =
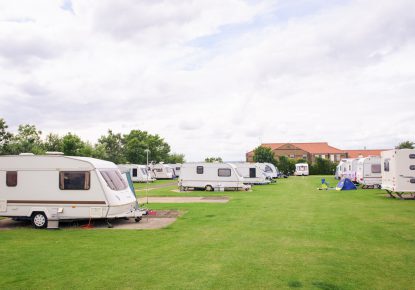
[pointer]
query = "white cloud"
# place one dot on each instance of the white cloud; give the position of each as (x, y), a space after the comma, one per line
(212, 77)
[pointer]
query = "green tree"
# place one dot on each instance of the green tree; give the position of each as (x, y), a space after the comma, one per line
(27, 140)
(264, 154)
(72, 145)
(5, 137)
(213, 159)
(405, 145)
(112, 145)
(322, 167)
(137, 141)
(175, 158)
(286, 165)
(53, 143)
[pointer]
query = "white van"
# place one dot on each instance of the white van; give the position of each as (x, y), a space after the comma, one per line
(251, 173)
(161, 171)
(48, 189)
(398, 171)
(369, 172)
(211, 176)
(301, 169)
(138, 173)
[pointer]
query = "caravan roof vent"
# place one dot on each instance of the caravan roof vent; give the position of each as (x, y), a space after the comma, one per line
(54, 153)
(26, 154)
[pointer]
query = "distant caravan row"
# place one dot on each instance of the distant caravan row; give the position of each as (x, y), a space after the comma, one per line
(142, 173)
(393, 171)
(225, 176)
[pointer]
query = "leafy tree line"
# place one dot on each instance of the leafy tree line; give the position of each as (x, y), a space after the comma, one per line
(112, 146)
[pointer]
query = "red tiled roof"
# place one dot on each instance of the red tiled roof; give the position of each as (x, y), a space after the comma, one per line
(313, 148)
(364, 153)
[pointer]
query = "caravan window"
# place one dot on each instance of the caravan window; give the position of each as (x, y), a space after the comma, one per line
(134, 172)
(144, 171)
(74, 180)
(11, 178)
(376, 168)
(114, 179)
(199, 169)
(386, 165)
(268, 169)
(224, 172)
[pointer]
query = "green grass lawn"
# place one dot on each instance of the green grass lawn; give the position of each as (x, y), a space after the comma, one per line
(284, 235)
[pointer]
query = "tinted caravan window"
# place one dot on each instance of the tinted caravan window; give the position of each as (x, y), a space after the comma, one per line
(386, 165)
(11, 178)
(134, 172)
(376, 168)
(114, 179)
(224, 172)
(199, 169)
(74, 180)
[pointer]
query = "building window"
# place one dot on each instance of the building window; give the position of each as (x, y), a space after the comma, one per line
(316, 156)
(199, 169)
(74, 180)
(224, 172)
(292, 155)
(11, 178)
(305, 156)
(376, 168)
(323, 156)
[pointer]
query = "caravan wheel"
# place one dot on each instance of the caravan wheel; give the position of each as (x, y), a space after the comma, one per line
(209, 188)
(39, 220)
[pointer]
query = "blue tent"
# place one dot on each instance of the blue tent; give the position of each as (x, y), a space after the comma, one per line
(346, 184)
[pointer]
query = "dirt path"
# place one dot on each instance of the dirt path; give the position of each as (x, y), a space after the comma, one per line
(184, 199)
(160, 219)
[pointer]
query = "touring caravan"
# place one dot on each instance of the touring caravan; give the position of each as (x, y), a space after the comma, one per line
(161, 171)
(398, 171)
(341, 169)
(349, 169)
(301, 169)
(139, 173)
(369, 172)
(211, 176)
(269, 169)
(176, 168)
(251, 173)
(47, 189)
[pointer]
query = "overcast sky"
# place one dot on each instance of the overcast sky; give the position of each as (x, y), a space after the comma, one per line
(214, 77)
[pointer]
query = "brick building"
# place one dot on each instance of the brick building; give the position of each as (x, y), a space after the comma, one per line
(307, 151)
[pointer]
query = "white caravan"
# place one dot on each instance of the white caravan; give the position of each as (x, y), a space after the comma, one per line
(270, 170)
(161, 171)
(211, 176)
(251, 173)
(369, 172)
(301, 169)
(176, 168)
(49, 188)
(350, 168)
(398, 171)
(139, 173)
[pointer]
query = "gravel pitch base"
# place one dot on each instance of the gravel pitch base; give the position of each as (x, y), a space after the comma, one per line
(184, 199)
(161, 220)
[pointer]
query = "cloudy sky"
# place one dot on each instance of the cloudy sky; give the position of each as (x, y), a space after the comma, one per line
(213, 77)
